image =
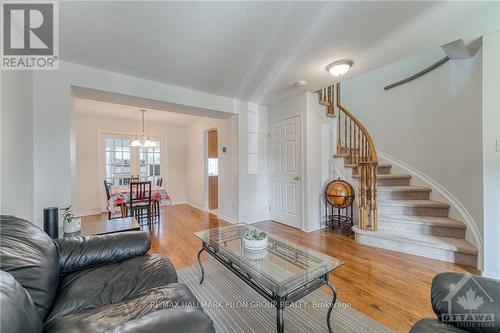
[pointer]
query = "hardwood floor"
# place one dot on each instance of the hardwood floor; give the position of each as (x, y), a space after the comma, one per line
(392, 288)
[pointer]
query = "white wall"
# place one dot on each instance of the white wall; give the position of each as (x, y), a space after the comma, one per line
(197, 186)
(17, 144)
(491, 156)
(90, 197)
(319, 155)
(432, 123)
(53, 121)
(253, 162)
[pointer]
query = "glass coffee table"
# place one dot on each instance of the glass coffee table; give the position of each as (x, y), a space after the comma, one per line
(282, 273)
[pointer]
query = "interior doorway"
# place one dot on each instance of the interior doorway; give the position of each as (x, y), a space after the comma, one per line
(213, 170)
(285, 171)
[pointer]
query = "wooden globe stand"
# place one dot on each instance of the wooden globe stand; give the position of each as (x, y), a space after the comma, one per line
(339, 199)
(339, 220)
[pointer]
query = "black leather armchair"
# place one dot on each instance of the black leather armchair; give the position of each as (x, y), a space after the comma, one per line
(463, 303)
(90, 284)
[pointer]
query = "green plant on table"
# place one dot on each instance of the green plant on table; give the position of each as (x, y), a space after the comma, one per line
(254, 235)
(68, 215)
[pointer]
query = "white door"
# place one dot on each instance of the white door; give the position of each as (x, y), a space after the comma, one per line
(285, 162)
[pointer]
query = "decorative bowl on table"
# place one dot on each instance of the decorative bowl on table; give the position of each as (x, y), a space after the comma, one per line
(254, 240)
(255, 256)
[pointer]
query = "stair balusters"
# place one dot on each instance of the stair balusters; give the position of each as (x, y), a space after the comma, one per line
(354, 141)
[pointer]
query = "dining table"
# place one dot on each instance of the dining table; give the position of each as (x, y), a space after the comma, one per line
(119, 196)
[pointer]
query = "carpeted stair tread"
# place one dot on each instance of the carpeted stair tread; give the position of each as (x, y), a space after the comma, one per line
(380, 165)
(435, 221)
(403, 188)
(389, 176)
(413, 203)
(444, 243)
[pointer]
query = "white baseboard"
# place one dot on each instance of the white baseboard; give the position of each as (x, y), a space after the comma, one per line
(88, 212)
(312, 228)
(228, 219)
(252, 221)
(192, 204)
(491, 275)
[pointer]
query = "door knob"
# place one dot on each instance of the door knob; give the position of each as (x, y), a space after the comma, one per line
(296, 178)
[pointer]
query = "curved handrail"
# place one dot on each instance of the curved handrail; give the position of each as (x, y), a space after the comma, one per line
(371, 145)
(419, 74)
(355, 142)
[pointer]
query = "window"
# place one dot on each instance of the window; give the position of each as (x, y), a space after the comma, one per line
(150, 162)
(117, 160)
(122, 161)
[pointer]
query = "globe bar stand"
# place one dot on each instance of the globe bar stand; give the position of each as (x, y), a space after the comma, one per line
(339, 219)
(339, 199)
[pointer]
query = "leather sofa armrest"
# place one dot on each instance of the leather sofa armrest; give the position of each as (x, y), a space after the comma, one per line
(177, 320)
(82, 252)
(456, 290)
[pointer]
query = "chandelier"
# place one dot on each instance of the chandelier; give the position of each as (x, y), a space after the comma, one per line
(143, 139)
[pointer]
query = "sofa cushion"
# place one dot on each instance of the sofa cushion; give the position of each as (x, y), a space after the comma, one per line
(82, 252)
(19, 314)
(171, 308)
(30, 256)
(98, 286)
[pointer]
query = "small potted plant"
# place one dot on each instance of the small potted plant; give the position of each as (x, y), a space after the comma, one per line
(254, 240)
(71, 223)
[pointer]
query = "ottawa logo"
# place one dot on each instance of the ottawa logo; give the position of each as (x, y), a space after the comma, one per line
(467, 305)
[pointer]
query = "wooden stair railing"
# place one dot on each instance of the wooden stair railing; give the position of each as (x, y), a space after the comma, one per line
(355, 142)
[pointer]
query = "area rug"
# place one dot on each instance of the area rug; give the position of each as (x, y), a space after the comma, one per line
(235, 307)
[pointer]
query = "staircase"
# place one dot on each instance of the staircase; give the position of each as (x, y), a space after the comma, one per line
(409, 222)
(393, 213)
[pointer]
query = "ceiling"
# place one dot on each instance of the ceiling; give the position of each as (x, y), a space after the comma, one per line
(253, 51)
(105, 109)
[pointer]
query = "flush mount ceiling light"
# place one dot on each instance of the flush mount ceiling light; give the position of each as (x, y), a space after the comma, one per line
(301, 83)
(143, 140)
(339, 68)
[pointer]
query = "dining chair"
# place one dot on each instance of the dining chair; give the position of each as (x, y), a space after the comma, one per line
(108, 196)
(159, 181)
(128, 180)
(156, 203)
(140, 201)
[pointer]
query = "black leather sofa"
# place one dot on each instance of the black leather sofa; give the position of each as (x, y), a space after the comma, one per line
(90, 284)
(463, 303)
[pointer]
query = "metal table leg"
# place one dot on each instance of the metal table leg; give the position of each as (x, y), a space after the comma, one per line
(332, 305)
(201, 266)
(280, 316)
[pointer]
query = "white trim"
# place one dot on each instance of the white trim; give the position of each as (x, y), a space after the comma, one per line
(194, 205)
(228, 219)
(315, 228)
(257, 221)
(88, 213)
(490, 275)
(452, 200)
(222, 217)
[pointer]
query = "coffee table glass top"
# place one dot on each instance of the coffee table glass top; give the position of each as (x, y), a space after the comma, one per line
(282, 267)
